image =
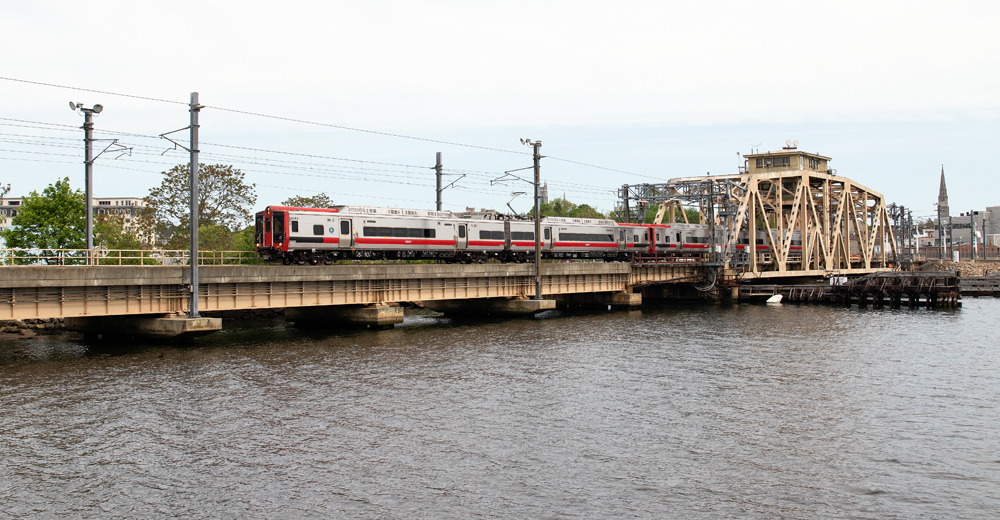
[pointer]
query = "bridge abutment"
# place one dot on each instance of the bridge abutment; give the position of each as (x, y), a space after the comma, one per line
(157, 326)
(490, 306)
(616, 300)
(375, 316)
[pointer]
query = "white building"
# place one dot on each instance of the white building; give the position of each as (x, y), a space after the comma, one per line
(127, 206)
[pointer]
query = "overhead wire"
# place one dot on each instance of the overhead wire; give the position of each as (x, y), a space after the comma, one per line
(316, 123)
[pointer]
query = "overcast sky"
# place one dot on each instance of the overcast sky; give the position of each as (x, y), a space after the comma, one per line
(646, 90)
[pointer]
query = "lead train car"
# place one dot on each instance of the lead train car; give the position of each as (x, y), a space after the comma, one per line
(310, 235)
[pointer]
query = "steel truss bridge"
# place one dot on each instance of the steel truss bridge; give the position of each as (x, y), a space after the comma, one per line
(843, 227)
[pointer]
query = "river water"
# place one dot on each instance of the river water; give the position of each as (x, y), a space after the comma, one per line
(788, 411)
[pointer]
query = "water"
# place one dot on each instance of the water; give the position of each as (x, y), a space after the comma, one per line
(669, 412)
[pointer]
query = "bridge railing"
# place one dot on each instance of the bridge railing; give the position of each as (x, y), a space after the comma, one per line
(70, 257)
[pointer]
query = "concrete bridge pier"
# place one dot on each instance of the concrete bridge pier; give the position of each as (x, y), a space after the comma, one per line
(490, 306)
(616, 300)
(375, 316)
(147, 326)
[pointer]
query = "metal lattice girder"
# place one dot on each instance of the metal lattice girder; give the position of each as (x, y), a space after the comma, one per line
(812, 222)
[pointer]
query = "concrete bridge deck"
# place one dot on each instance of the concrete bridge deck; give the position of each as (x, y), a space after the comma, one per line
(91, 291)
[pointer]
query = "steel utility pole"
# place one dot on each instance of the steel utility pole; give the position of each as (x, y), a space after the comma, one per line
(538, 222)
(984, 237)
(195, 109)
(437, 168)
(940, 232)
(88, 162)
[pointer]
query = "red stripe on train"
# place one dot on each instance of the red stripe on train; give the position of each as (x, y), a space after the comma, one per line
(586, 244)
(404, 241)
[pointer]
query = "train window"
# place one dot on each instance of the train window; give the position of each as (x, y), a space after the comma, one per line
(547, 234)
(461, 231)
(317, 229)
(490, 235)
(678, 237)
(258, 228)
(373, 231)
(345, 227)
(295, 226)
(522, 235)
(635, 238)
(587, 237)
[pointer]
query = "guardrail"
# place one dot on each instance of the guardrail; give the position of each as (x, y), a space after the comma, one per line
(68, 257)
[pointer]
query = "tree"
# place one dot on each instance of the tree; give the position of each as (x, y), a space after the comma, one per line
(113, 232)
(585, 211)
(564, 208)
(224, 199)
(316, 201)
(53, 220)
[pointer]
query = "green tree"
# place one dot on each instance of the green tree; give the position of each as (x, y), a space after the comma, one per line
(585, 211)
(224, 199)
(564, 208)
(316, 201)
(53, 220)
(113, 232)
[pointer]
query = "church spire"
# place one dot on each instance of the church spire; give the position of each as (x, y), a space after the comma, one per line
(943, 196)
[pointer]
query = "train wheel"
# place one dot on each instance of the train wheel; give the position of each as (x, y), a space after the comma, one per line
(287, 260)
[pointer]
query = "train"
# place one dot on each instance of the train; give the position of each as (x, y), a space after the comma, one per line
(350, 232)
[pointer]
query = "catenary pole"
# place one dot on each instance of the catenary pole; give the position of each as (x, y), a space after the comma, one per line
(437, 169)
(195, 109)
(88, 138)
(538, 223)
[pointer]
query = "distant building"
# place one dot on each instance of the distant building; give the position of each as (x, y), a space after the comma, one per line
(975, 223)
(127, 206)
(543, 193)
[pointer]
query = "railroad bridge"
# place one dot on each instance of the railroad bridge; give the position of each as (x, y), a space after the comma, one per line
(98, 297)
(784, 215)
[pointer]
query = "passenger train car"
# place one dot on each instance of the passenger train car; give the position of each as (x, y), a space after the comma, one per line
(310, 235)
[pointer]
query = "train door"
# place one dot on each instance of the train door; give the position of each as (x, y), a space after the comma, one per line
(279, 219)
(265, 239)
(462, 242)
(258, 229)
(547, 242)
(346, 234)
(621, 239)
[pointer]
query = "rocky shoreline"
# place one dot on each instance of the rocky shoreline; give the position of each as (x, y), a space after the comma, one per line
(965, 268)
(15, 329)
